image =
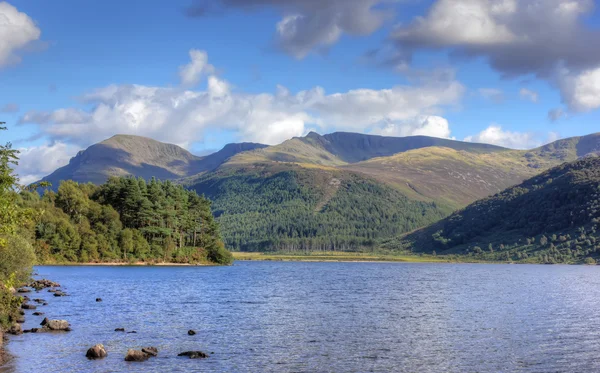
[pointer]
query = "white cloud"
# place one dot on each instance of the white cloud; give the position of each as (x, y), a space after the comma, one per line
(492, 94)
(191, 73)
(528, 94)
(17, 30)
(451, 22)
(182, 116)
(421, 126)
(581, 90)
(546, 39)
(495, 135)
(38, 161)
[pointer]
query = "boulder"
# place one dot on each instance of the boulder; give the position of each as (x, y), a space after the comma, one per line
(152, 351)
(20, 319)
(58, 325)
(135, 355)
(194, 354)
(98, 299)
(96, 352)
(55, 325)
(24, 290)
(191, 332)
(59, 293)
(119, 329)
(37, 313)
(38, 300)
(27, 306)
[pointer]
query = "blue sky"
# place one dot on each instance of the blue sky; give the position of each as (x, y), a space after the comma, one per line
(201, 74)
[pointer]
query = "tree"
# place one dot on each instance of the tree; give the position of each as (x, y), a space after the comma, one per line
(16, 252)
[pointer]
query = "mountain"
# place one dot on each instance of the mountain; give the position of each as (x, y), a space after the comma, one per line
(341, 191)
(126, 155)
(553, 217)
(342, 148)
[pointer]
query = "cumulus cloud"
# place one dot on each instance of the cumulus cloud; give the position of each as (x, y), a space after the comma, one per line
(36, 162)
(182, 116)
(517, 37)
(11, 107)
(307, 25)
(492, 94)
(191, 73)
(432, 125)
(495, 135)
(17, 30)
(528, 94)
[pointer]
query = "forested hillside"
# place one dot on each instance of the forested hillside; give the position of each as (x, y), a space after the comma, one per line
(550, 218)
(124, 220)
(294, 208)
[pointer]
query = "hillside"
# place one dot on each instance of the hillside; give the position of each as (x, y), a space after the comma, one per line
(126, 155)
(290, 207)
(553, 217)
(340, 191)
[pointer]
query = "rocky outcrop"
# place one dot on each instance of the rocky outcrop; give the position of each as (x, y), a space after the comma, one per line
(96, 352)
(194, 354)
(43, 284)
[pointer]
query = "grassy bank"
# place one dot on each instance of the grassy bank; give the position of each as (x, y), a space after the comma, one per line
(336, 256)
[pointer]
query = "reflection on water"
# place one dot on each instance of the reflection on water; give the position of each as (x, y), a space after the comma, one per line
(322, 317)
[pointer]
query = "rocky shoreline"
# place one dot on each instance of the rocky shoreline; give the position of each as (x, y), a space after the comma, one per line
(98, 351)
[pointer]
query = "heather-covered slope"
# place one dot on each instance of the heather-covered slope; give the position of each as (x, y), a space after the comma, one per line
(552, 217)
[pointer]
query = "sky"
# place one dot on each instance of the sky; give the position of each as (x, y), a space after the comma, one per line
(204, 73)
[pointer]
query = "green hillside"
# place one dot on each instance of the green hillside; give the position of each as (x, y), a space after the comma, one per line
(290, 207)
(551, 218)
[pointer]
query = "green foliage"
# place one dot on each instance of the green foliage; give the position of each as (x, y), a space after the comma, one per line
(16, 253)
(125, 220)
(301, 209)
(551, 218)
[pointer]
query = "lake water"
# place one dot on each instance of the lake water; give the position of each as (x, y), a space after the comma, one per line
(322, 317)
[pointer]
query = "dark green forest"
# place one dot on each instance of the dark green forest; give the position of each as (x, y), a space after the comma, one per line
(551, 218)
(310, 210)
(124, 220)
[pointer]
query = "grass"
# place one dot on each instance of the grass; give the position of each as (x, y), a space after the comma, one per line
(336, 256)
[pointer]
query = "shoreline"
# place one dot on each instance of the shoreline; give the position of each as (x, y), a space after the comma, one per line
(121, 264)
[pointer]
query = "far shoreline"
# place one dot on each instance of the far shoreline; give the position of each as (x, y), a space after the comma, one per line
(121, 264)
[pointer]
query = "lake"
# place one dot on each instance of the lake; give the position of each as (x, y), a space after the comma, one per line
(322, 317)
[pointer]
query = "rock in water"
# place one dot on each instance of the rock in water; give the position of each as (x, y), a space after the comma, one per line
(191, 332)
(194, 354)
(135, 355)
(119, 329)
(55, 325)
(96, 352)
(152, 351)
(27, 306)
(58, 325)
(98, 299)
(37, 313)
